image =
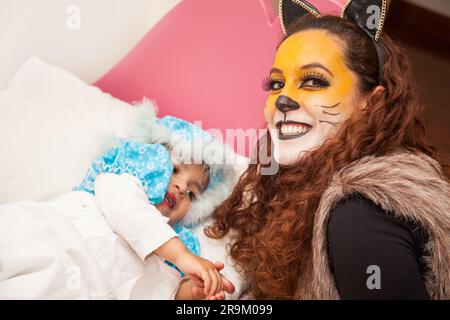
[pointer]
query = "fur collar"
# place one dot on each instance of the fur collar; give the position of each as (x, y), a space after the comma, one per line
(412, 187)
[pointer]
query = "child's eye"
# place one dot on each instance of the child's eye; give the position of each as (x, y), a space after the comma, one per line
(192, 196)
(175, 169)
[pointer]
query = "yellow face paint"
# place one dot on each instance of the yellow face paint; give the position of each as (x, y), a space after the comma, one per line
(312, 92)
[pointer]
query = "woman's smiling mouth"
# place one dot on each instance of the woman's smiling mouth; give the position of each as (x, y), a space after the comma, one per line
(292, 129)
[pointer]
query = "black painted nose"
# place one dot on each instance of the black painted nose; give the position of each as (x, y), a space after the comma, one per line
(285, 104)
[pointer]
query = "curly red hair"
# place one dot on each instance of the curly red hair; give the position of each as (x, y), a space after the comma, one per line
(272, 236)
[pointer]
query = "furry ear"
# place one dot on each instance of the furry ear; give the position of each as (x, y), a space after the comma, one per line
(291, 10)
(369, 15)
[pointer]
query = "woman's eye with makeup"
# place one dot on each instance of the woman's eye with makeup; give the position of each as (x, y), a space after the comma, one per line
(272, 84)
(314, 82)
(276, 85)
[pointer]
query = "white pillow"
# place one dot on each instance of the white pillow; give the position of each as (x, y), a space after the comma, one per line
(52, 125)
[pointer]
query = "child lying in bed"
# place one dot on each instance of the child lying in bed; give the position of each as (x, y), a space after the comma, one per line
(171, 188)
(106, 237)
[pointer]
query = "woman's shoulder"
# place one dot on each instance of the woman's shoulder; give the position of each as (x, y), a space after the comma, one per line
(356, 213)
(373, 184)
(362, 236)
(357, 210)
(356, 207)
(390, 168)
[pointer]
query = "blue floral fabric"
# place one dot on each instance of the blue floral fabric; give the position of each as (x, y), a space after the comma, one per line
(151, 164)
(184, 128)
(191, 132)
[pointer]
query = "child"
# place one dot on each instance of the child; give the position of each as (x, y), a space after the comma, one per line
(122, 213)
(171, 188)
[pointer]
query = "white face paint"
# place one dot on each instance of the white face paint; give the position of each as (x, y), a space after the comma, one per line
(312, 92)
(301, 131)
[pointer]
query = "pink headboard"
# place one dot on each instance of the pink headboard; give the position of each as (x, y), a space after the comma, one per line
(205, 60)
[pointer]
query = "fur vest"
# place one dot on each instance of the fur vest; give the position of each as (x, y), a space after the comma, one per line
(410, 186)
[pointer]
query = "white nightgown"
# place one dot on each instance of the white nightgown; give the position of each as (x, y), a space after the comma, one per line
(81, 246)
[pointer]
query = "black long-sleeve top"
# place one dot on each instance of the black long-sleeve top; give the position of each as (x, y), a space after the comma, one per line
(361, 234)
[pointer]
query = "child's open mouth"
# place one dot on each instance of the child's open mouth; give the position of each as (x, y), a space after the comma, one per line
(170, 200)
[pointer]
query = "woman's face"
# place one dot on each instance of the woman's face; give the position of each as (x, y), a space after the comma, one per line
(312, 91)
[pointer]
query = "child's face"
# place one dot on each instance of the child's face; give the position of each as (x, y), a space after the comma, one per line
(187, 183)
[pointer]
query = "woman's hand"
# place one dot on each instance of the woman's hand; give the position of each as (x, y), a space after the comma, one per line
(197, 289)
(192, 288)
(202, 272)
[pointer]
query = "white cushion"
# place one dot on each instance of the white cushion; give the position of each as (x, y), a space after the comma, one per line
(52, 125)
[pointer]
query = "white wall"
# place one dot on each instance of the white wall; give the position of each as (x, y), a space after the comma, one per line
(108, 30)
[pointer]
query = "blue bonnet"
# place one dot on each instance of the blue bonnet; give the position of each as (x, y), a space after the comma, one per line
(191, 144)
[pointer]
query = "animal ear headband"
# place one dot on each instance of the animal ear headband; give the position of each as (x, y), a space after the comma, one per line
(369, 15)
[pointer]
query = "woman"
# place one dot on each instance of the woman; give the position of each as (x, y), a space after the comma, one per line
(360, 207)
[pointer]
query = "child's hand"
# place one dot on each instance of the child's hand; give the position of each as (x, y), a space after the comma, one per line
(197, 287)
(202, 271)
